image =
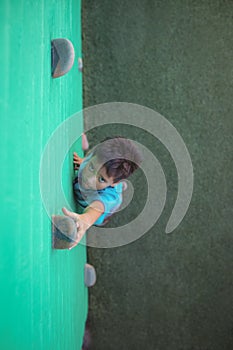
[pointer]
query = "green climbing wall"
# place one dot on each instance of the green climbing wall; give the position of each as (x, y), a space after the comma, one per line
(43, 298)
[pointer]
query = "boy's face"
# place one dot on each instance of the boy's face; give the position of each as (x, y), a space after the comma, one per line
(94, 177)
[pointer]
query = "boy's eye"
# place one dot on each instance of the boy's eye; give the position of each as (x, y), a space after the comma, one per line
(101, 179)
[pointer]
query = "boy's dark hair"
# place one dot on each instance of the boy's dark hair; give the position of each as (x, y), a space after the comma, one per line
(119, 156)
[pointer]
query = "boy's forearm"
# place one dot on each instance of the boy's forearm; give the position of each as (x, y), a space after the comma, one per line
(89, 216)
(92, 213)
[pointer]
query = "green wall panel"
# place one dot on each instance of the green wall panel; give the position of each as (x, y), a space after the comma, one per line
(43, 298)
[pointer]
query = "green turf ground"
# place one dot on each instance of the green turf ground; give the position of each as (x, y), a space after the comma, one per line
(43, 298)
(167, 292)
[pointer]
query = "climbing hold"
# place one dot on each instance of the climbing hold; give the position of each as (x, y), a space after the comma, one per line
(64, 232)
(85, 144)
(90, 275)
(62, 57)
(80, 64)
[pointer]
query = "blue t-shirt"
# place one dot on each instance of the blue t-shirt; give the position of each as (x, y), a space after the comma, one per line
(111, 197)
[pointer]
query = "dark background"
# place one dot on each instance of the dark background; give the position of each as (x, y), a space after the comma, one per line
(175, 291)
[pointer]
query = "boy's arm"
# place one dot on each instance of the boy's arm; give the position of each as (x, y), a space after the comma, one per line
(87, 219)
(92, 213)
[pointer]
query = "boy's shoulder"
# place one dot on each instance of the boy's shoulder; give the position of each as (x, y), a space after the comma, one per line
(111, 197)
(112, 191)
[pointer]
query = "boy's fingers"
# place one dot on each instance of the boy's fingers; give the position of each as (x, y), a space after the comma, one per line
(77, 161)
(66, 211)
(75, 155)
(70, 213)
(73, 246)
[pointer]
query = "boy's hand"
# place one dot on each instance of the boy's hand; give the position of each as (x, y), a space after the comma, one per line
(82, 226)
(77, 161)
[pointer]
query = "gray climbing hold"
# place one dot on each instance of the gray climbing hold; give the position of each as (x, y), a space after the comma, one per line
(64, 231)
(80, 64)
(62, 57)
(90, 275)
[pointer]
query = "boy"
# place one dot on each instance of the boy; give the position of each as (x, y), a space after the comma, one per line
(98, 187)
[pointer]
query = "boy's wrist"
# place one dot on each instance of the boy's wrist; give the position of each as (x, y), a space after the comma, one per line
(86, 220)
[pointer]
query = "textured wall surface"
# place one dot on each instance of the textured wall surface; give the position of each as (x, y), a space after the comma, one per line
(43, 298)
(163, 291)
